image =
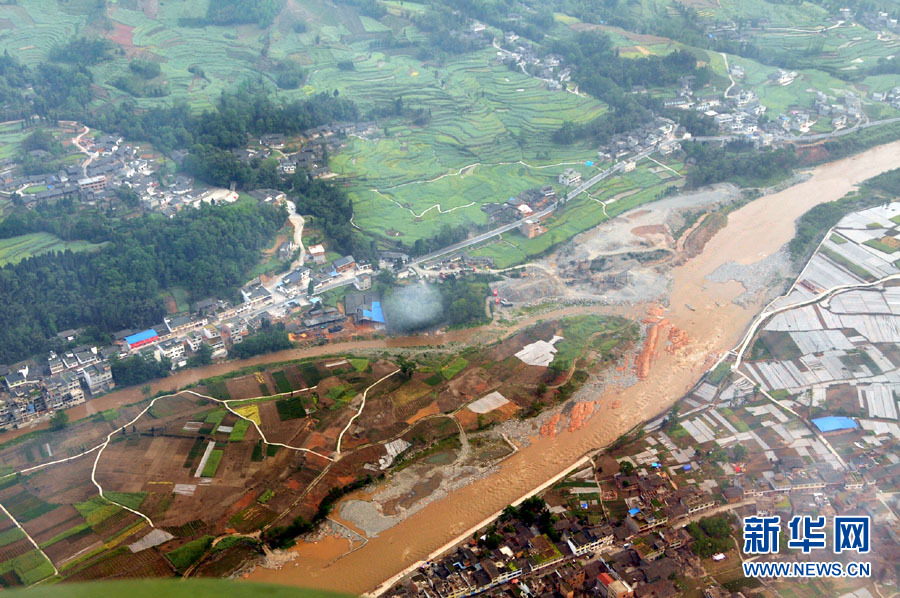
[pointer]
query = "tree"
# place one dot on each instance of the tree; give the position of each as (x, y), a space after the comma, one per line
(59, 420)
(310, 288)
(203, 356)
(407, 366)
(626, 467)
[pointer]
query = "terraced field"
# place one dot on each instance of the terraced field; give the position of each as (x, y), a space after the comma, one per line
(620, 194)
(488, 139)
(15, 249)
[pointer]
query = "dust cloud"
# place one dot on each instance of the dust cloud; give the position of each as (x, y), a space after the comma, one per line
(412, 308)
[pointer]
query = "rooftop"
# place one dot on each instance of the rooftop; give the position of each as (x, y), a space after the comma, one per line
(141, 336)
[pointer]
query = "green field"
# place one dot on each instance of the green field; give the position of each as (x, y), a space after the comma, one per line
(488, 139)
(212, 464)
(239, 431)
(454, 367)
(185, 556)
(16, 249)
(281, 382)
(360, 364)
(31, 567)
(619, 193)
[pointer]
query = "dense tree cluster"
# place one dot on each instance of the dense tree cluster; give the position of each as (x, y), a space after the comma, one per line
(463, 300)
(284, 536)
(148, 69)
(58, 90)
(532, 511)
(237, 117)
(711, 535)
(814, 223)
(267, 340)
(83, 51)
(737, 162)
(207, 251)
(138, 369)
(332, 211)
(600, 71)
(237, 12)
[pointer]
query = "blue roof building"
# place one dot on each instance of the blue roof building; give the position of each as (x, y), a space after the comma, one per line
(142, 338)
(834, 423)
(375, 314)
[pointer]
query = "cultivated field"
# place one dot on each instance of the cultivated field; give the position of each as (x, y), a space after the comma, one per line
(200, 471)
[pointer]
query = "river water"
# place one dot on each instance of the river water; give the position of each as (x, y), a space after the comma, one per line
(753, 233)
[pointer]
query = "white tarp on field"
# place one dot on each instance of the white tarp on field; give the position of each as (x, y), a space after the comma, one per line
(488, 403)
(539, 353)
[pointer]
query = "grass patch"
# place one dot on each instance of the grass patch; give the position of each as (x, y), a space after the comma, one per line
(265, 496)
(26, 506)
(257, 454)
(310, 373)
(454, 368)
(212, 464)
(175, 588)
(360, 365)
(281, 382)
(839, 240)
(31, 567)
(96, 510)
(880, 246)
(848, 264)
(239, 431)
(13, 534)
(218, 390)
(215, 417)
(16, 249)
(719, 373)
(434, 379)
(185, 556)
(132, 500)
(72, 531)
(290, 409)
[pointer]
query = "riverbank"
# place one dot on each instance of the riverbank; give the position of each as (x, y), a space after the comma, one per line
(713, 323)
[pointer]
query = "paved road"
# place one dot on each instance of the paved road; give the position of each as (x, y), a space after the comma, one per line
(817, 137)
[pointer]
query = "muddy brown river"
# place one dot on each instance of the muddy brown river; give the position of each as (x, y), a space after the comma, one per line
(753, 232)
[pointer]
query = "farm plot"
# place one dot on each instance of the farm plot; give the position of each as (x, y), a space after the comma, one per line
(454, 367)
(580, 214)
(470, 151)
(16, 249)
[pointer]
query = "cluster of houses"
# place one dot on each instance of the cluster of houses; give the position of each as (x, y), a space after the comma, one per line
(892, 97)
(647, 136)
(311, 150)
(522, 554)
(741, 113)
(623, 521)
(31, 388)
(519, 54)
(525, 205)
(114, 164)
(876, 20)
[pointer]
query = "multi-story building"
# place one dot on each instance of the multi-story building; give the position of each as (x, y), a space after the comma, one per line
(98, 378)
(62, 390)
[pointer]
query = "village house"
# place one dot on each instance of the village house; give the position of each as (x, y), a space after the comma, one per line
(317, 252)
(570, 177)
(344, 264)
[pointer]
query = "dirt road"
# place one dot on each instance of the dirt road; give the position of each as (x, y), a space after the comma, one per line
(753, 233)
(184, 378)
